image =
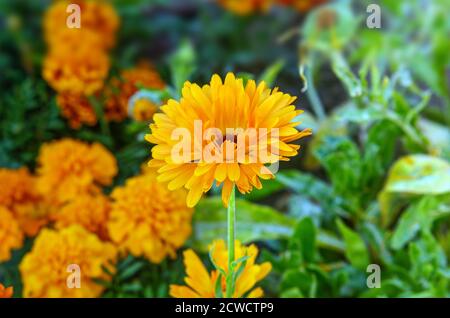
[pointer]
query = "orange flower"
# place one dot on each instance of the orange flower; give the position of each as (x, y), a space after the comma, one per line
(6, 292)
(19, 194)
(131, 80)
(244, 7)
(302, 5)
(224, 157)
(44, 270)
(78, 67)
(149, 220)
(11, 236)
(68, 168)
(97, 17)
(202, 284)
(91, 212)
(77, 109)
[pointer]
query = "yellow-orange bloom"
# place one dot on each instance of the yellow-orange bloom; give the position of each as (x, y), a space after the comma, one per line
(148, 220)
(44, 268)
(11, 236)
(219, 107)
(201, 284)
(20, 196)
(144, 109)
(77, 67)
(244, 7)
(302, 5)
(77, 109)
(89, 211)
(131, 80)
(6, 292)
(68, 168)
(97, 17)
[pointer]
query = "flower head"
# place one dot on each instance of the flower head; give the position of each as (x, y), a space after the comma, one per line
(97, 17)
(11, 236)
(202, 284)
(244, 7)
(302, 5)
(143, 109)
(130, 81)
(68, 168)
(89, 211)
(19, 194)
(77, 109)
(6, 292)
(233, 132)
(147, 219)
(79, 67)
(44, 268)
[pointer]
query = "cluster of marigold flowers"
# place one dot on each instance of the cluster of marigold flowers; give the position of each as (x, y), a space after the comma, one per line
(77, 66)
(63, 206)
(245, 7)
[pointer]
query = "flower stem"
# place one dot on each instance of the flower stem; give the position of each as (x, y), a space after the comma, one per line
(231, 212)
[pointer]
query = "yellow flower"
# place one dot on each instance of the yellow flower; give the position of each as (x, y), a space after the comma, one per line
(131, 80)
(77, 67)
(144, 109)
(202, 284)
(68, 168)
(97, 17)
(19, 194)
(148, 220)
(6, 292)
(91, 212)
(11, 236)
(244, 7)
(77, 109)
(44, 268)
(219, 107)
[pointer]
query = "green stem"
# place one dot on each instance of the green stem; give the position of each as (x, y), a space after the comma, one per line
(231, 212)
(313, 96)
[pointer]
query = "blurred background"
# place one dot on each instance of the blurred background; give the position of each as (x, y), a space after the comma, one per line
(370, 186)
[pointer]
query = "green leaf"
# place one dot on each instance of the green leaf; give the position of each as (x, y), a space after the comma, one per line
(271, 72)
(413, 175)
(254, 222)
(419, 216)
(182, 64)
(304, 238)
(131, 270)
(355, 248)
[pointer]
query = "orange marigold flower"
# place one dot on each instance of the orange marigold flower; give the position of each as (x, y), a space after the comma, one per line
(44, 268)
(131, 80)
(20, 196)
(11, 236)
(143, 109)
(6, 292)
(244, 7)
(97, 17)
(68, 168)
(77, 109)
(91, 212)
(201, 284)
(148, 220)
(17, 187)
(302, 5)
(260, 120)
(78, 67)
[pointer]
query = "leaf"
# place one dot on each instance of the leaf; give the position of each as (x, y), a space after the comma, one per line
(413, 175)
(131, 270)
(304, 238)
(355, 248)
(271, 72)
(182, 64)
(253, 222)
